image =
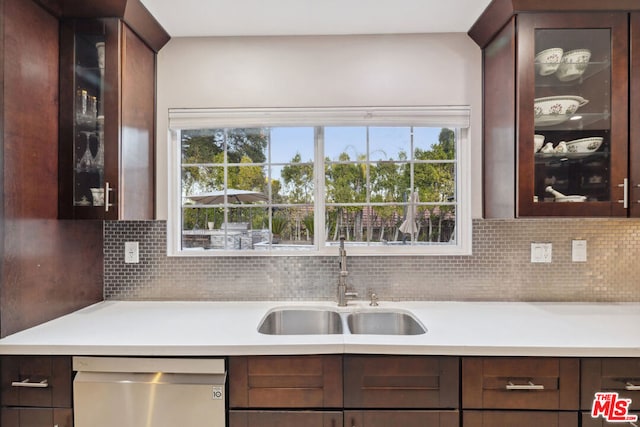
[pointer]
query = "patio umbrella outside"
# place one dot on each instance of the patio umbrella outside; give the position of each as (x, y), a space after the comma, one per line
(233, 196)
(409, 225)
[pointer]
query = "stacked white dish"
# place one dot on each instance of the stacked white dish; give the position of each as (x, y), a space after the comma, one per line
(553, 110)
(567, 66)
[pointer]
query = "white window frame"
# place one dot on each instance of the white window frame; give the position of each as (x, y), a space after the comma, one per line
(455, 117)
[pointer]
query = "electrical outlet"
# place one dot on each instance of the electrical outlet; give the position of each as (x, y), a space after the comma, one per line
(579, 250)
(131, 253)
(541, 252)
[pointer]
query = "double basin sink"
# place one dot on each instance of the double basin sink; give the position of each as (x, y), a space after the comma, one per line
(309, 321)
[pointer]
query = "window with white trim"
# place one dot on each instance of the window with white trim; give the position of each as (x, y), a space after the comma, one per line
(391, 181)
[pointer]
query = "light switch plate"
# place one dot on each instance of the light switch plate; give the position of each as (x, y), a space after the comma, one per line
(131, 253)
(579, 250)
(541, 252)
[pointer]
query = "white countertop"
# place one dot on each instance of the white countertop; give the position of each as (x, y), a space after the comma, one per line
(230, 328)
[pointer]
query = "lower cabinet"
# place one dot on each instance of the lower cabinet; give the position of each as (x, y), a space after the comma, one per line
(401, 382)
(404, 418)
(285, 381)
(349, 391)
(519, 419)
(368, 391)
(36, 391)
(244, 418)
(619, 375)
(520, 391)
(37, 417)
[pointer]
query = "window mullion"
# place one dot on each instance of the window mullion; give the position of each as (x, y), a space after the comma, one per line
(319, 213)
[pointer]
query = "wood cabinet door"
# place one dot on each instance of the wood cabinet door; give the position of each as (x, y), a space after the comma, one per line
(634, 114)
(53, 372)
(401, 418)
(285, 418)
(601, 178)
(519, 419)
(119, 142)
(137, 134)
(36, 417)
(545, 383)
(586, 420)
(420, 382)
(621, 375)
(285, 381)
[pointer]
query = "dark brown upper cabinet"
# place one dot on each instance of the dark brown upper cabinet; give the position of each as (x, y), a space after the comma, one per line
(107, 121)
(560, 93)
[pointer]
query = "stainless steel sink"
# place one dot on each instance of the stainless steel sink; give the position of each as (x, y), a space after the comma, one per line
(301, 322)
(384, 323)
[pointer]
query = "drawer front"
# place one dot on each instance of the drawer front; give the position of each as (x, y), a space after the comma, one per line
(285, 418)
(418, 382)
(285, 382)
(621, 375)
(589, 421)
(544, 383)
(37, 417)
(38, 381)
(379, 418)
(519, 419)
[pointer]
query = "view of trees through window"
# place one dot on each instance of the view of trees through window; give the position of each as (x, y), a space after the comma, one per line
(257, 189)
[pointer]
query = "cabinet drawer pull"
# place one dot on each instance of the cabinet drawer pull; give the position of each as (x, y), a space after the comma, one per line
(632, 387)
(530, 386)
(28, 383)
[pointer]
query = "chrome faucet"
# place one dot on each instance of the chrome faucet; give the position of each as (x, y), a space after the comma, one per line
(343, 292)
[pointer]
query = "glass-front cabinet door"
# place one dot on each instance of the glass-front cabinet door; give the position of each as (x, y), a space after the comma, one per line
(572, 113)
(88, 144)
(89, 118)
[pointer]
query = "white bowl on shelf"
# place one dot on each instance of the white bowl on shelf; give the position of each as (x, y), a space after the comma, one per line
(553, 110)
(571, 199)
(584, 145)
(548, 61)
(538, 142)
(573, 64)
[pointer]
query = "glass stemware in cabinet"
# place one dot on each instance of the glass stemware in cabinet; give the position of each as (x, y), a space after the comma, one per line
(89, 120)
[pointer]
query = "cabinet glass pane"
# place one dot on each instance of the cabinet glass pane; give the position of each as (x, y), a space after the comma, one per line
(88, 145)
(572, 115)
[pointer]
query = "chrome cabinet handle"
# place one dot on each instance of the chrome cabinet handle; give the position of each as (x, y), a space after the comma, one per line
(28, 383)
(530, 386)
(632, 387)
(107, 189)
(625, 196)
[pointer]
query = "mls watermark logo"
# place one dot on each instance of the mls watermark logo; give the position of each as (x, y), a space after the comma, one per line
(612, 408)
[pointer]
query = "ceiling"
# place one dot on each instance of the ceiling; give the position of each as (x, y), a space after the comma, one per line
(189, 18)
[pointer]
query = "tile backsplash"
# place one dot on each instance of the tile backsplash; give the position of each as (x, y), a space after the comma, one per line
(500, 268)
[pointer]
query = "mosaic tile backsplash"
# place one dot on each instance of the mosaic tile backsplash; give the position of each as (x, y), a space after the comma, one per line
(499, 269)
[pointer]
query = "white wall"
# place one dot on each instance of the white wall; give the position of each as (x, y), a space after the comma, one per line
(319, 71)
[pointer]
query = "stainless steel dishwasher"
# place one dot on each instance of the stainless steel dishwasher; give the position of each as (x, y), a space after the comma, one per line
(148, 392)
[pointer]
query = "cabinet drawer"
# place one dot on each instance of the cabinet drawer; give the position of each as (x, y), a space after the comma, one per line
(284, 418)
(37, 417)
(519, 419)
(588, 421)
(52, 374)
(401, 382)
(285, 382)
(620, 375)
(545, 383)
(381, 418)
